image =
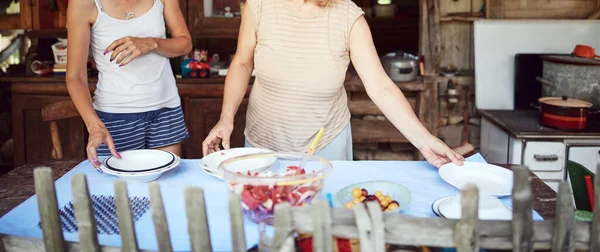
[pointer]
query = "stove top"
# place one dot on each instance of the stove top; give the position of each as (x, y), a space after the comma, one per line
(526, 124)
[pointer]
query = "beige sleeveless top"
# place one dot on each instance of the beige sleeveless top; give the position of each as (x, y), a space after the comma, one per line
(301, 64)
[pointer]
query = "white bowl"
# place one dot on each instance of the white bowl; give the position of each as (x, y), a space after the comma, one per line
(490, 208)
(489, 179)
(135, 168)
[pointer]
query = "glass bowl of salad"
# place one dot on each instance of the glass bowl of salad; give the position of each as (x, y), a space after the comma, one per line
(264, 180)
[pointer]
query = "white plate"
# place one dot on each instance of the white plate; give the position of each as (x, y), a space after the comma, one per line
(216, 174)
(140, 161)
(490, 179)
(213, 160)
(435, 206)
(490, 208)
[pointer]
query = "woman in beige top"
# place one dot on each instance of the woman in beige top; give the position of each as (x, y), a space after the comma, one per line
(301, 50)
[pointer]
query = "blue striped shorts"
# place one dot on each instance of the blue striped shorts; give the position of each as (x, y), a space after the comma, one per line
(146, 130)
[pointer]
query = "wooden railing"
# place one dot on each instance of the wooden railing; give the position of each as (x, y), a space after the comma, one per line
(366, 223)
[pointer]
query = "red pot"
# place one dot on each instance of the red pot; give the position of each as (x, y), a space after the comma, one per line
(585, 52)
(564, 113)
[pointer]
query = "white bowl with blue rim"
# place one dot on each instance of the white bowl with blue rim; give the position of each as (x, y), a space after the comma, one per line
(396, 191)
(140, 165)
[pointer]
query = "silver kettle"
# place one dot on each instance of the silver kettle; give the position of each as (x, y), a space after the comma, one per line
(401, 66)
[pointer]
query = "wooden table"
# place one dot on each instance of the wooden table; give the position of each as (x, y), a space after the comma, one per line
(18, 186)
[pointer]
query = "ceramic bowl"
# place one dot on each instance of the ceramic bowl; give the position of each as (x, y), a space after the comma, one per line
(140, 165)
(490, 208)
(397, 192)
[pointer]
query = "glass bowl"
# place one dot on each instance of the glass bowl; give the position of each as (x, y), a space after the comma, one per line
(265, 179)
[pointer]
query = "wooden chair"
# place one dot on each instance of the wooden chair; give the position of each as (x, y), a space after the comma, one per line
(57, 111)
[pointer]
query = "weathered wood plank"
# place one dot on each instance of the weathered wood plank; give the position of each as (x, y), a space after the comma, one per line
(562, 239)
(197, 219)
(494, 9)
(595, 227)
(48, 209)
(321, 216)
(284, 234)
(126, 227)
(28, 244)
(363, 224)
(237, 223)
(466, 233)
(159, 217)
(362, 132)
(377, 226)
(84, 214)
(522, 223)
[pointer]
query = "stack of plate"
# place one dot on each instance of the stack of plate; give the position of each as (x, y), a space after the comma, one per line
(210, 163)
(492, 182)
(140, 165)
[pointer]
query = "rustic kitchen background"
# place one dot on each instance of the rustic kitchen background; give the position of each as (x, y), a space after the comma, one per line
(441, 31)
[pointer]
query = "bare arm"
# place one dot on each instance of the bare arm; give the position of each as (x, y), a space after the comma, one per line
(236, 85)
(79, 15)
(240, 70)
(389, 99)
(380, 88)
(179, 44)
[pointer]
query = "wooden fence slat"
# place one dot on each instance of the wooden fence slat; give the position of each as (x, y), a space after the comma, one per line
(126, 228)
(283, 239)
(595, 227)
(363, 223)
(562, 239)
(84, 214)
(466, 233)
(377, 226)
(321, 216)
(48, 209)
(237, 223)
(197, 219)
(161, 227)
(522, 223)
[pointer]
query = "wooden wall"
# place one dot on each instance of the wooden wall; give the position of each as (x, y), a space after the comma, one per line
(542, 9)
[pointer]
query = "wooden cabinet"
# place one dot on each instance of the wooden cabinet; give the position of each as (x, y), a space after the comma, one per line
(9, 19)
(205, 18)
(202, 114)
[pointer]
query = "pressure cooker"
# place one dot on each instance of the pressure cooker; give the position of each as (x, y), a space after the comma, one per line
(401, 66)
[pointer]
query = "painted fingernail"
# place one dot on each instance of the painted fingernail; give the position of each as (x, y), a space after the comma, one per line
(106, 51)
(95, 161)
(111, 60)
(119, 155)
(121, 65)
(98, 169)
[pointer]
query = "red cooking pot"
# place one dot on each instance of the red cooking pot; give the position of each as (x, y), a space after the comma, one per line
(564, 113)
(585, 52)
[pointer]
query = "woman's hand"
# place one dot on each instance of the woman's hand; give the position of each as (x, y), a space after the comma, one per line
(438, 153)
(99, 135)
(220, 134)
(129, 48)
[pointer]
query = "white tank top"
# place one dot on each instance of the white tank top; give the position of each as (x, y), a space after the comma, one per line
(146, 83)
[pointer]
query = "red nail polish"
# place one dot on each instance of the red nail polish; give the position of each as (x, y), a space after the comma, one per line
(95, 161)
(105, 52)
(119, 155)
(121, 65)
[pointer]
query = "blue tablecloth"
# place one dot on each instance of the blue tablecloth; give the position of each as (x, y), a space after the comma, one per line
(420, 177)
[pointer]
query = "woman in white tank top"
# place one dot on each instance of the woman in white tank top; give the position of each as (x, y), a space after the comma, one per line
(136, 104)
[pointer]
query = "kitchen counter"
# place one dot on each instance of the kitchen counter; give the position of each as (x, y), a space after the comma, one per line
(18, 186)
(525, 124)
